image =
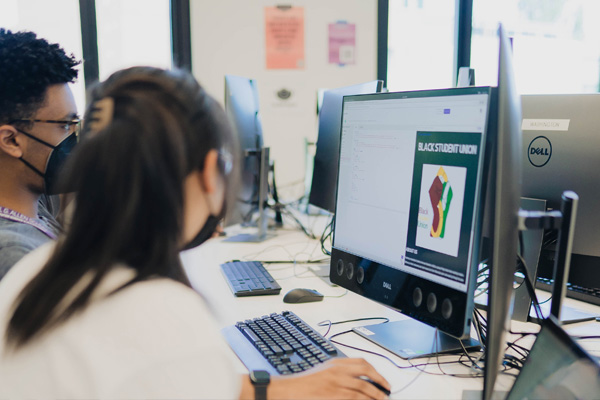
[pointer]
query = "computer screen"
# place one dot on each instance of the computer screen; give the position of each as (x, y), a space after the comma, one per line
(242, 108)
(557, 368)
(560, 142)
(324, 178)
(408, 207)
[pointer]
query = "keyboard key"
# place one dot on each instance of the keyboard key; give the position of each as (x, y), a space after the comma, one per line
(287, 349)
(277, 350)
(250, 335)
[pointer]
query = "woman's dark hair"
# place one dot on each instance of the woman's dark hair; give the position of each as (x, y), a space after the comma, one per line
(129, 171)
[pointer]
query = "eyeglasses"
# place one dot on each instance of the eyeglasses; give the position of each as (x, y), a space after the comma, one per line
(69, 125)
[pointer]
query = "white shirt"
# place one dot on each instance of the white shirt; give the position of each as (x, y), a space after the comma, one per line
(154, 339)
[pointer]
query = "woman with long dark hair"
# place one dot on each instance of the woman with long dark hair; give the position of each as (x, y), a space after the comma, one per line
(108, 311)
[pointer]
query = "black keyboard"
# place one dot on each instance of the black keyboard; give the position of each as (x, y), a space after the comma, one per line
(589, 295)
(282, 344)
(249, 278)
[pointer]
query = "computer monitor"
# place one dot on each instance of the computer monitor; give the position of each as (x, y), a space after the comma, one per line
(502, 209)
(324, 178)
(560, 142)
(242, 108)
(408, 212)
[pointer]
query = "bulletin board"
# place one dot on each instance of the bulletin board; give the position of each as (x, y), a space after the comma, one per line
(320, 44)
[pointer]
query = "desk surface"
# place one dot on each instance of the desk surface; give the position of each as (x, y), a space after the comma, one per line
(202, 266)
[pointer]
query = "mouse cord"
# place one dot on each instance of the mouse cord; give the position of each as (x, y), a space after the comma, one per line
(338, 296)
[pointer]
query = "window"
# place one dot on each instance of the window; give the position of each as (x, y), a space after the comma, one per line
(556, 43)
(133, 32)
(420, 44)
(40, 16)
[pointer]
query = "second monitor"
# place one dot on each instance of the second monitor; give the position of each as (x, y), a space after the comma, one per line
(242, 107)
(325, 171)
(560, 134)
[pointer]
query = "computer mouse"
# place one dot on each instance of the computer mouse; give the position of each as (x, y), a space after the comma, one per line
(377, 385)
(302, 296)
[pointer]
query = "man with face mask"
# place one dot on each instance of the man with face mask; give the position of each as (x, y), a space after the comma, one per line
(38, 128)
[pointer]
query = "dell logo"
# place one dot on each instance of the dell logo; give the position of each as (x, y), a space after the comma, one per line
(387, 285)
(539, 151)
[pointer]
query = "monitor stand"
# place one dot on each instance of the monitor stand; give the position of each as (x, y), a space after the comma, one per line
(568, 315)
(413, 339)
(262, 224)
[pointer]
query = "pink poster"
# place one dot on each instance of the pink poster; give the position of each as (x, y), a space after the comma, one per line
(284, 29)
(342, 43)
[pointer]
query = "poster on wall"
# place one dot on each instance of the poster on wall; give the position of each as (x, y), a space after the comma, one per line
(342, 43)
(284, 31)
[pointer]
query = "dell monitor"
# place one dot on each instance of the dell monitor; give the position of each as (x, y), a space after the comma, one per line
(560, 142)
(416, 171)
(324, 178)
(408, 212)
(242, 108)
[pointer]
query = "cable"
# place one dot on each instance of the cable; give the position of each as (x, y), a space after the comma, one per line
(338, 296)
(585, 337)
(385, 320)
(286, 211)
(433, 348)
(419, 366)
(319, 261)
(327, 233)
(330, 324)
(522, 267)
(364, 350)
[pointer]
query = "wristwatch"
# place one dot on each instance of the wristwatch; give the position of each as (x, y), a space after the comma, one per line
(260, 380)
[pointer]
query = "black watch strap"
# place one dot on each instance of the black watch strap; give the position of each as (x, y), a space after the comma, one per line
(260, 380)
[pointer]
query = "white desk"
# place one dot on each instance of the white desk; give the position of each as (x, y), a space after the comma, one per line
(202, 266)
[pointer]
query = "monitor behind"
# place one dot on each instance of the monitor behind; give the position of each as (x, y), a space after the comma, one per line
(242, 108)
(560, 141)
(325, 171)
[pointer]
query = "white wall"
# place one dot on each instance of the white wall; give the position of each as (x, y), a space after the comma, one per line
(228, 37)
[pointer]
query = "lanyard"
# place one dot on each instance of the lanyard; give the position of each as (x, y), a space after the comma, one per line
(15, 216)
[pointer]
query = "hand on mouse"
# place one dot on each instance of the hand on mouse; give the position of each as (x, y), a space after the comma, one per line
(335, 379)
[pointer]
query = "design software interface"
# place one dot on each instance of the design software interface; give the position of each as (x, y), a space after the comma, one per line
(407, 182)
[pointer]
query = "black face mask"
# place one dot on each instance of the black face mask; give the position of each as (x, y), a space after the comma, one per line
(207, 230)
(56, 160)
(210, 226)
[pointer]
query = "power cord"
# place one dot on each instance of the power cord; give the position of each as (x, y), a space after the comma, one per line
(329, 324)
(327, 234)
(284, 209)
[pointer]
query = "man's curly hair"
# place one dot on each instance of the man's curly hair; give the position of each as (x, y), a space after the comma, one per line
(28, 65)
